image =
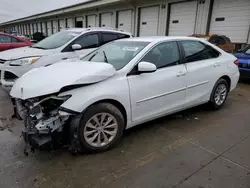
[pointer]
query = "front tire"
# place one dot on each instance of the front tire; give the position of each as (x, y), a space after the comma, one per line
(100, 128)
(219, 94)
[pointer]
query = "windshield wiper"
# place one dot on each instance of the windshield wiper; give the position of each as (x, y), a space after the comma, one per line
(105, 57)
(93, 56)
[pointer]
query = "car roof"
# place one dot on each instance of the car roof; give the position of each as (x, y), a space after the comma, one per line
(159, 38)
(98, 29)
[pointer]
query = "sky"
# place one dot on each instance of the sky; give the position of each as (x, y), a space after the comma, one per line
(14, 9)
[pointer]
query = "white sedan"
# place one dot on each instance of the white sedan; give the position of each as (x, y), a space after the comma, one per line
(120, 85)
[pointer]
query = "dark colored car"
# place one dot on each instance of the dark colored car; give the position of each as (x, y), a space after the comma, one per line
(8, 41)
(244, 62)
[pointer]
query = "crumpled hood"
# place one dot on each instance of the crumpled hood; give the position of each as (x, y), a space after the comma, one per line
(23, 52)
(48, 80)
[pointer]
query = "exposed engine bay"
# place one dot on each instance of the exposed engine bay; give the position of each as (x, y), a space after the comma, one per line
(43, 120)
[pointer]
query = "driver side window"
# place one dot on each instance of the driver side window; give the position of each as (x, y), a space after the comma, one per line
(89, 41)
(163, 55)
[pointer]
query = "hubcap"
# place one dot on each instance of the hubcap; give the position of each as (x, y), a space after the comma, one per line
(220, 94)
(100, 130)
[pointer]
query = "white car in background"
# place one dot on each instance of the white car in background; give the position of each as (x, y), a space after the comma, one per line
(70, 43)
(122, 84)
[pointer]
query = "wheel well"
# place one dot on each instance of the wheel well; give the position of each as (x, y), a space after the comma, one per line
(227, 78)
(118, 105)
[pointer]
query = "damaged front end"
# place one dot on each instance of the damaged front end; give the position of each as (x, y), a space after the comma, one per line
(45, 123)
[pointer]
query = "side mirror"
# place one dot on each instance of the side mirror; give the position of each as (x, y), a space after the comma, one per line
(76, 47)
(146, 67)
(239, 51)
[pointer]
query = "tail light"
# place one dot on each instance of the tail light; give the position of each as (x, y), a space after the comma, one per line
(236, 62)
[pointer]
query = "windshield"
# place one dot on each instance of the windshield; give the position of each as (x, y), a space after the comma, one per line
(57, 40)
(117, 53)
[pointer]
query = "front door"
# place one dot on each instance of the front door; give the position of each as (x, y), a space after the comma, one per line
(160, 92)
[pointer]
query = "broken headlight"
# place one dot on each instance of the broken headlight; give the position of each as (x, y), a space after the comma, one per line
(52, 103)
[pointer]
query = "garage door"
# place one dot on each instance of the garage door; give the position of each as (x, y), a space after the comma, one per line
(231, 18)
(31, 29)
(35, 27)
(25, 29)
(70, 23)
(44, 28)
(39, 28)
(125, 20)
(182, 18)
(49, 28)
(106, 20)
(91, 21)
(149, 20)
(61, 24)
(55, 26)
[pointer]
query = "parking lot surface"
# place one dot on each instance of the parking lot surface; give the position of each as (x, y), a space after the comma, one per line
(197, 148)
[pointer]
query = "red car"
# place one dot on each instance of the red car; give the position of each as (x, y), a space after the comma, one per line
(8, 41)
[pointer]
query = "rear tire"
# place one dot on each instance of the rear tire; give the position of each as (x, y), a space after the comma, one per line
(99, 128)
(219, 94)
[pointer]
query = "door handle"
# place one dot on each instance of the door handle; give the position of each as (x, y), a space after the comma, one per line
(181, 73)
(216, 65)
(64, 58)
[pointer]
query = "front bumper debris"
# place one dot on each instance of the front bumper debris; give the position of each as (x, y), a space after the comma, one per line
(44, 123)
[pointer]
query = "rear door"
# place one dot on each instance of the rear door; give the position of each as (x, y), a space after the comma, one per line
(204, 68)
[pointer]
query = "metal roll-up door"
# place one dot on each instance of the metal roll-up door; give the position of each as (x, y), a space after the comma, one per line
(70, 22)
(149, 21)
(55, 26)
(182, 18)
(31, 29)
(35, 27)
(62, 24)
(124, 21)
(91, 21)
(231, 18)
(106, 20)
(44, 28)
(39, 28)
(49, 28)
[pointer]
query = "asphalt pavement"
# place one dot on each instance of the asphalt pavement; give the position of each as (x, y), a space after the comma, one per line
(197, 148)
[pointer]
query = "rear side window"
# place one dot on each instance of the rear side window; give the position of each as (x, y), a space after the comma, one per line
(196, 51)
(89, 41)
(5, 39)
(108, 37)
(14, 40)
(123, 36)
